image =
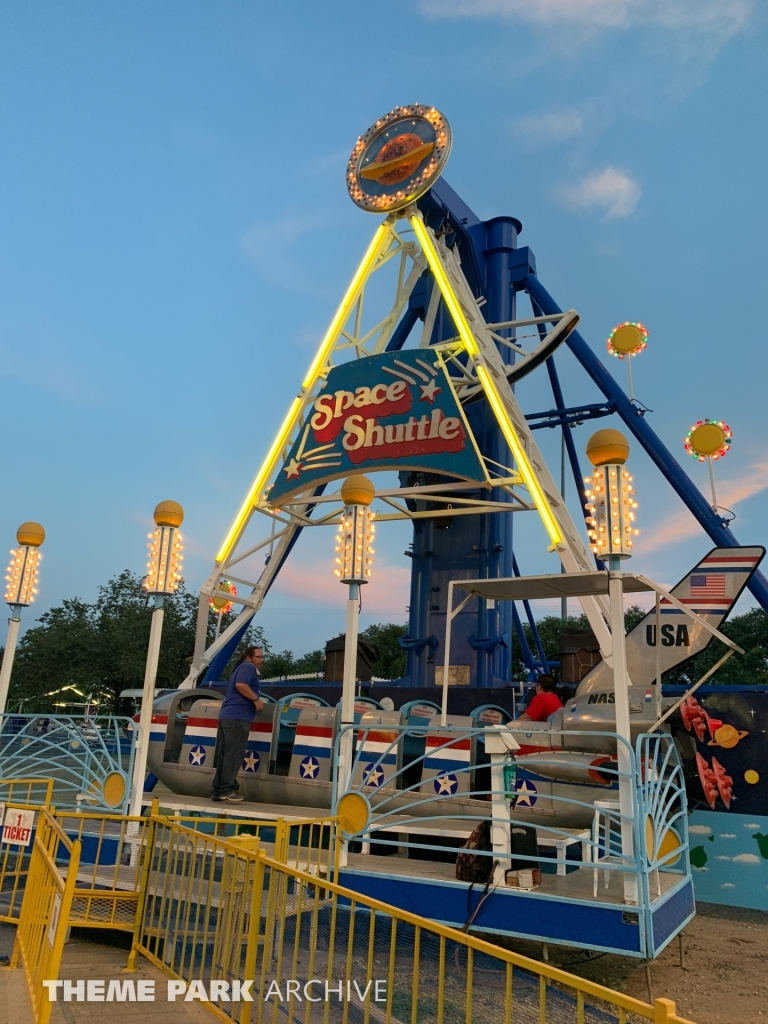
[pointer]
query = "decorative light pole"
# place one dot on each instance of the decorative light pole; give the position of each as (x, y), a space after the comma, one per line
(354, 557)
(20, 592)
(162, 580)
(611, 505)
(627, 340)
(707, 441)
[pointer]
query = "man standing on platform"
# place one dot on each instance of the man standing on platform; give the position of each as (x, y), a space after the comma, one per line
(235, 717)
(545, 703)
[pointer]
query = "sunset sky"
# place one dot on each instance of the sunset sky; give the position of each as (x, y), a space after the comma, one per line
(175, 234)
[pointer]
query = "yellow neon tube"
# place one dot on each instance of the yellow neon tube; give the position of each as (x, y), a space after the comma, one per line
(453, 304)
(507, 427)
(350, 297)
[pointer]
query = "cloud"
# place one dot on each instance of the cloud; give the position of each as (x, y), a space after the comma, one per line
(727, 885)
(747, 858)
(719, 17)
(681, 525)
(722, 857)
(611, 190)
(750, 824)
(314, 583)
(554, 127)
(727, 835)
(700, 830)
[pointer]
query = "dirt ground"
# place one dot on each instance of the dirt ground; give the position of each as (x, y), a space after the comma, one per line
(724, 977)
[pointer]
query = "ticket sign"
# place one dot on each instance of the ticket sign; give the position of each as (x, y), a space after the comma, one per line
(392, 411)
(18, 827)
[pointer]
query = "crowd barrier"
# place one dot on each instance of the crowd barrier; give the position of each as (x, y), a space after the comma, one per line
(45, 910)
(253, 921)
(267, 942)
(24, 795)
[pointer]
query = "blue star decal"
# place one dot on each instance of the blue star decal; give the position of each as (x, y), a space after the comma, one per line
(526, 794)
(373, 776)
(309, 768)
(446, 785)
(251, 761)
(197, 756)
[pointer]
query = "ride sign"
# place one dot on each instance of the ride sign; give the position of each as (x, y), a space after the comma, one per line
(392, 411)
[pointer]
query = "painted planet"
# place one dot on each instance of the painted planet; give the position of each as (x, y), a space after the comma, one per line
(727, 736)
(751, 776)
(398, 159)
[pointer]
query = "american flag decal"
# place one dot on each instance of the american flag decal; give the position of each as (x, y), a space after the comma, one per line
(709, 585)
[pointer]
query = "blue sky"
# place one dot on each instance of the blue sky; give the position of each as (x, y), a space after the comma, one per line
(175, 234)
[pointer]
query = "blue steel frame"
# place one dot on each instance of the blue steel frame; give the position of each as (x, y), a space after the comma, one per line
(495, 267)
(482, 545)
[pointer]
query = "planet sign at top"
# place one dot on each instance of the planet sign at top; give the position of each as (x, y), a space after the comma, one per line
(399, 158)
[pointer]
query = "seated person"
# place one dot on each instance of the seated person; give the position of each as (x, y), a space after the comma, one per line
(544, 704)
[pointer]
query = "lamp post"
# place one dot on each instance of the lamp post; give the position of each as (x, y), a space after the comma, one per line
(354, 557)
(20, 592)
(162, 580)
(611, 505)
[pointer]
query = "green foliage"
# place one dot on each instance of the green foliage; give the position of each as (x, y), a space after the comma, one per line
(101, 648)
(392, 658)
(749, 631)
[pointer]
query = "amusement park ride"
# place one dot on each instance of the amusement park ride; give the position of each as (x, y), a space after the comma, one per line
(415, 376)
(577, 826)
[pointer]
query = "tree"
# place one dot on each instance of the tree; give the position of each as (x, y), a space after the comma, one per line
(549, 628)
(392, 658)
(100, 649)
(749, 631)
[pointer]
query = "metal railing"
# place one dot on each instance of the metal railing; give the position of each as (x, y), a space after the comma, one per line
(432, 812)
(310, 844)
(15, 858)
(267, 942)
(45, 911)
(88, 758)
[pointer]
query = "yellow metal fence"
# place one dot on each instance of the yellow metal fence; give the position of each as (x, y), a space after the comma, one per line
(45, 911)
(246, 914)
(266, 942)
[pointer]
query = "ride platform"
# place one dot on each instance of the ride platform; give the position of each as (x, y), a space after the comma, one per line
(578, 904)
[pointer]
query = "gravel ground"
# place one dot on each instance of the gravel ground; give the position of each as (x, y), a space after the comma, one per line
(724, 977)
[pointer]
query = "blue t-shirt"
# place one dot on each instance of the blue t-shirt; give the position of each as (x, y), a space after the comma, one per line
(235, 704)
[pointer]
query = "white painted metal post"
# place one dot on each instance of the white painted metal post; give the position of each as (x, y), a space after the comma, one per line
(499, 743)
(447, 659)
(348, 690)
(147, 700)
(620, 685)
(10, 653)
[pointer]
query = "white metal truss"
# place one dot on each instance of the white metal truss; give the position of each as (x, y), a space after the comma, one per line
(350, 337)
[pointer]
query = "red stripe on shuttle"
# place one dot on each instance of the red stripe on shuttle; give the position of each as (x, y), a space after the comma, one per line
(750, 560)
(314, 730)
(377, 737)
(261, 727)
(443, 741)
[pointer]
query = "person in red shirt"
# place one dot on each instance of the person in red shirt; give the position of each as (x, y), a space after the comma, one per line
(544, 704)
